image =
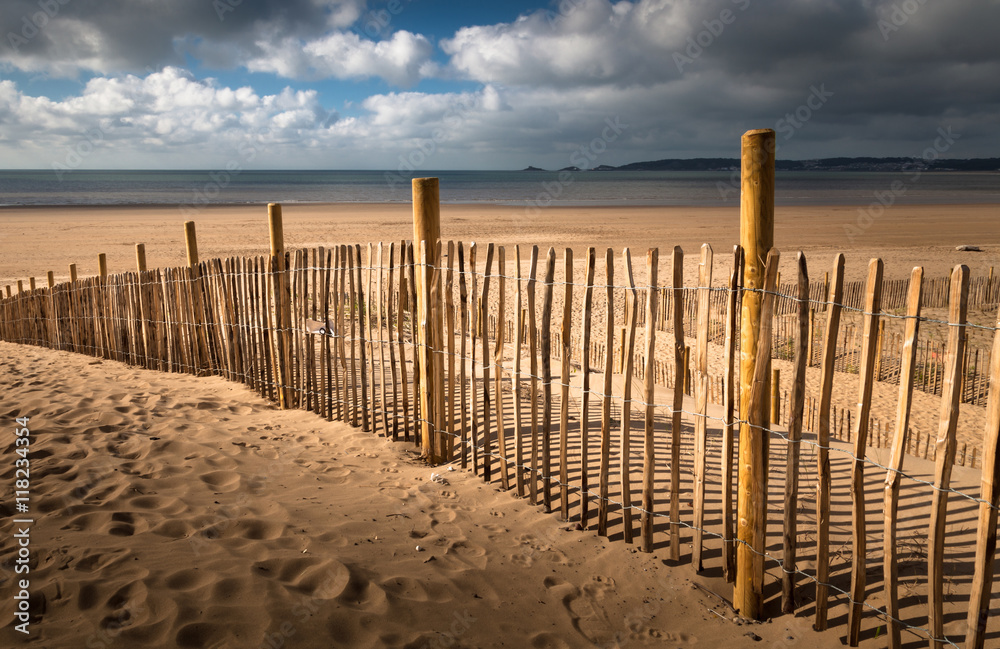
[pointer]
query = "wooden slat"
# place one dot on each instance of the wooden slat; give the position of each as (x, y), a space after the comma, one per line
(824, 478)
(349, 309)
(487, 442)
(362, 307)
(546, 349)
(564, 372)
(944, 459)
(794, 437)
(411, 300)
(628, 362)
(677, 292)
(381, 302)
(730, 408)
(585, 390)
(473, 329)
(403, 397)
(609, 341)
(701, 403)
(986, 537)
(859, 557)
(894, 476)
(498, 350)
(533, 368)
(449, 293)
(649, 394)
(463, 297)
(516, 378)
(328, 369)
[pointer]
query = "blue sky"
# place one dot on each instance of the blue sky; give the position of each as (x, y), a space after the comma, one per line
(350, 84)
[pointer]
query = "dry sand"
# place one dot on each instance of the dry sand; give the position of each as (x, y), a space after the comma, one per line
(37, 240)
(180, 511)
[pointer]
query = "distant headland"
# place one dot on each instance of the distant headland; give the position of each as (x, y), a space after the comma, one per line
(821, 164)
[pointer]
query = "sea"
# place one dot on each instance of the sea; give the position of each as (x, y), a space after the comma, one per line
(516, 188)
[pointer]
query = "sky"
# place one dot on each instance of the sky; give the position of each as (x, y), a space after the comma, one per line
(444, 85)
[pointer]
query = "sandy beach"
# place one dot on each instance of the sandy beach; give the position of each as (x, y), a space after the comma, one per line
(175, 511)
(40, 239)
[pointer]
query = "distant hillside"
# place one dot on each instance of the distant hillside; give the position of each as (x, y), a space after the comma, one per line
(822, 164)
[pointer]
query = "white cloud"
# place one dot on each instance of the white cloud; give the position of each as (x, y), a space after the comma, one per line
(588, 42)
(402, 60)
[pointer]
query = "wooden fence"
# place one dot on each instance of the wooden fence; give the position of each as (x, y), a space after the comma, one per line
(577, 401)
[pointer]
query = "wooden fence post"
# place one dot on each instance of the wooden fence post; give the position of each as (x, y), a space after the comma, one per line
(72, 272)
(730, 406)
(893, 477)
(756, 237)
(790, 540)
(282, 305)
(140, 257)
(944, 456)
(700, 379)
(649, 392)
(986, 539)
(676, 425)
(197, 301)
(102, 265)
(427, 227)
(859, 558)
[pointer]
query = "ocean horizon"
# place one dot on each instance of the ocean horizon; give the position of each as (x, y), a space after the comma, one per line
(198, 188)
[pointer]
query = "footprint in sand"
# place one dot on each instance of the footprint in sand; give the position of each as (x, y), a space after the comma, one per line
(418, 590)
(548, 641)
(126, 524)
(189, 579)
(584, 606)
(174, 529)
(221, 481)
(314, 577)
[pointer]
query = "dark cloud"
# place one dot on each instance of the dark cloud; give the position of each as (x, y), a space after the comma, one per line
(111, 36)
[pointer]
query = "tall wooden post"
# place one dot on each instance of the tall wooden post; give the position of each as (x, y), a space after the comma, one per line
(282, 305)
(102, 265)
(427, 228)
(52, 279)
(140, 257)
(31, 283)
(756, 238)
(191, 243)
(72, 272)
